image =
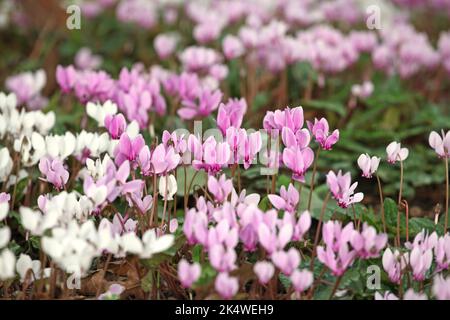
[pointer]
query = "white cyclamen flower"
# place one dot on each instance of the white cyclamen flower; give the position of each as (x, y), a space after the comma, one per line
(167, 187)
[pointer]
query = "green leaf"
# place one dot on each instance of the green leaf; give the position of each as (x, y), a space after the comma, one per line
(199, 178)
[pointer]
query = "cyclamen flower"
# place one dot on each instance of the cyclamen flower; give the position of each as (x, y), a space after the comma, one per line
(442, 252)
(226, 286)
(367, 243)
(320, 131)
(301, 280)
(394, 263)
(288, 261)
(264, 270)
(66, 78)
(203, 105)
(167, 187)
(221, 258)
(116, 125)
(160, 161)
(232, 47)
(273, 240)
(210, 156)
(85, 60)
(441, 145)
(395, 152)
(368, 165)
(249, 148)
(165, 45)
(441, 287)
(113, 293)
(287, 200)
(27, 87)
(54, 171)
(298, 161)
(188, 273)
(231, 114)
(220, 188)
(341, 189)
(128, 149)
(420, 262)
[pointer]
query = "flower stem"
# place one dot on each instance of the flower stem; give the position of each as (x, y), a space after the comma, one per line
(380, 191)
(401, 183)
(336, 286)
(311, 188)
(319, 226)
(446, 194)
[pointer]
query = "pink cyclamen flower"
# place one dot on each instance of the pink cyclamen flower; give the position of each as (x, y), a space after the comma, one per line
(231, 114)
(298, 161)
(367, 243)
(210, 156)
(165, 45)
(128, 148)
(441, 287)
(441, 145)
(342, 190)
(287, 200)
(339, 261)
(420, 261)
(301, 280)
(116, 125)
(232, 47)
(220, 188)
(368, 165)
(54, 171)
(302, 226)
(66, 78)
(264, 271)
(272, 240)
(164, 160)
(221, 258)
(320, 131)
(85, 60)
(226, 286)
(442, 252)
(394, 263)
(395, 152)
(288, 261)
(203, 105)
(249, 148)
(188, 273)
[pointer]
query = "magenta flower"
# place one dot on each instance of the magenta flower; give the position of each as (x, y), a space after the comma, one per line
(321, 132)
(290, 118)
(302, 226)
(249, 148)
(220, 188)
(300, 139)
(441, 287)
(128, 149)
(92, 86)
(367, 243)
(86, 60)
(226, 286)
(116, 125)
(66, 78)
(54, 171)
(161, 161)
(273, 241)
(298, 161)
(287, 200)
(231, 114)
(205, 103)
(178, 142)
(442, 252)
(188, 273)
(441, 145)
(341, 189)
(27, 87)
(264, 270)
(211, 156)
